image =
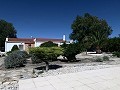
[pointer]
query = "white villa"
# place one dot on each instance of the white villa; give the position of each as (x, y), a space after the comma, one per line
(25, 43)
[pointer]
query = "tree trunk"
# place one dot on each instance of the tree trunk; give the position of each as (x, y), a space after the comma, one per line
(98, 51)
(86, 51)
(47, 66)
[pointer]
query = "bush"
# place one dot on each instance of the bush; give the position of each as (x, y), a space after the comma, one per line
(16, 58)
(9, 52)
(116, 54)
(14, 48)
(98, 59)
(101, 59)
(49, 44)
(105, 58)
(110, 43)
(39, 54)
(72, 50)
(45, 54)
(35, 59)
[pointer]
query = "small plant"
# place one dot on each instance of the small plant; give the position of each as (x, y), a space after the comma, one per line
(15, 59)
(116, 54)
(105, 58)
(99, 59)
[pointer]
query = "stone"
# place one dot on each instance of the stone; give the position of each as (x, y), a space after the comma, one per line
(14, 82)
(11, 87)
(6, 83)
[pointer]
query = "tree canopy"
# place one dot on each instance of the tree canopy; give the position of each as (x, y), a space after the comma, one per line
(90, 29)
(6, 30)
(45, 54)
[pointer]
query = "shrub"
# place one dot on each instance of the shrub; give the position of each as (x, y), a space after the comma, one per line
(14, 48)
(39, 54)
(116, 54)
(110, 43)
(35, 59)
(72, 50)
(49, 44)
(16, 58)
(105, 58)
(45, 54)
(9, 52)
(99, 59)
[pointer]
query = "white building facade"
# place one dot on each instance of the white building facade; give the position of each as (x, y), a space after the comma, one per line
(25, 43)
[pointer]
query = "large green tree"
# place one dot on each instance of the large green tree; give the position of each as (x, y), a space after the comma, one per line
(91, 30)
(6, 30)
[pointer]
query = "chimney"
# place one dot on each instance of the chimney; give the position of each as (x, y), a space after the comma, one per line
(63, 37)
(6, 39)
(34, 39)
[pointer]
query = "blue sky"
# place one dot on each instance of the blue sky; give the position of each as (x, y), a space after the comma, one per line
(53, 18)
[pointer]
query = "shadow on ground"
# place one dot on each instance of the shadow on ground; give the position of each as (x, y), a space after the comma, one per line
(51, 67)
(64, 60)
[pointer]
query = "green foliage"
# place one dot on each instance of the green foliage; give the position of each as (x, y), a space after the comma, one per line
(9, 52)
(14, 48)
(35, 57)
(64, 45)
(101, 59)
(91, 30)
(72, 50)
(6, 30)
(105, 58)
(112, 45)
(116, 54)
(49, 44)
(39, 54)
(16, 58)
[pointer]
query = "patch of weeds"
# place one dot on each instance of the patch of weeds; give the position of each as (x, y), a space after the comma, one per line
(98, 59)
(105, 58)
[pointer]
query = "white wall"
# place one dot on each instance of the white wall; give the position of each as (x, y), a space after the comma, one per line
(8, 45)
(37, 44)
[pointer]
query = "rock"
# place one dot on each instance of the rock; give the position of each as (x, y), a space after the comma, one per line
(6, 83)
(12, 87)
(34, 76)
(0, 83)
(37, 72)
(14, 82)
(15, 79)
(2, 75)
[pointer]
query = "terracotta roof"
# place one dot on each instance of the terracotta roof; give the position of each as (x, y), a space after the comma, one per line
(31, 40)
(25, 40)
(48, 39)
